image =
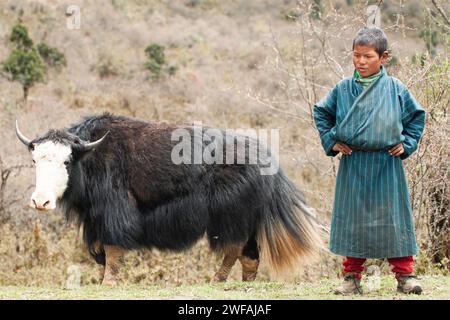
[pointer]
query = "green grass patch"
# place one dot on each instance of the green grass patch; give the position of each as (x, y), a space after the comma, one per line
(435, 287)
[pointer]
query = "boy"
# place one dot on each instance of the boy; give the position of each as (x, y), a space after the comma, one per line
(375, 122)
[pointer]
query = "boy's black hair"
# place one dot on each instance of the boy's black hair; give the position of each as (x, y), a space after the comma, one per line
(373, 37)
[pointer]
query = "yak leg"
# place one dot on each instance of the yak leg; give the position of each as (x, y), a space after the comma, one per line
(114, 257)
(100, 265)
(101, 272)
(232, 253)
(249, 268)
(250, 260)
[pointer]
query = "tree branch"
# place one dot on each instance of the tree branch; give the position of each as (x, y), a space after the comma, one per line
(439, 9)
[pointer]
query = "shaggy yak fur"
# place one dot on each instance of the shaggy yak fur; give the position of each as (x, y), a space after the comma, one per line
(129, 194)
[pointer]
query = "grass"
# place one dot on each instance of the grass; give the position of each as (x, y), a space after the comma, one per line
(435, 287)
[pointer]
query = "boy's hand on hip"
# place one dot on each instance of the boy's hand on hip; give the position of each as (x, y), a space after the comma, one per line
(397, 150)
(342, 147)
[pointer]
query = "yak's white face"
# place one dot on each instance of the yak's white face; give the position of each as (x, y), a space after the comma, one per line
(51, 161)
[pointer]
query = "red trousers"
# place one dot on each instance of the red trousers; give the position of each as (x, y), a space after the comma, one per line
(401, 265)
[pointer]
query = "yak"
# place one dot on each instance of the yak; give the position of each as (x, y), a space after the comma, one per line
(116, 178)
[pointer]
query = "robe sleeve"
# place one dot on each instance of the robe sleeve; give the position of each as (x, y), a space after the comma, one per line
(325, 118)
(413, 121)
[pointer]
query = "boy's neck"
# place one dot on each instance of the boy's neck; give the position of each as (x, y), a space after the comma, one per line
(357, 75)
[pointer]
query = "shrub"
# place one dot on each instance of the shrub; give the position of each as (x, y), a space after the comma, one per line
(291, 15)
(25, 64)
(428, 171)
(431, 38)
(106, 68)
(26, 67)
(156, 61)
(19, 36)
(316, 10)
(52, 56)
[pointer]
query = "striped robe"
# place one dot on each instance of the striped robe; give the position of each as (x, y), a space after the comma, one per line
(372, 215)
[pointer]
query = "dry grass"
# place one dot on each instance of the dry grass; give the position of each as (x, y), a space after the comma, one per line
(435, 287)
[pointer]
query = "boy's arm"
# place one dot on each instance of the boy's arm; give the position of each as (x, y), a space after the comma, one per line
(413, 120)
(325, 118)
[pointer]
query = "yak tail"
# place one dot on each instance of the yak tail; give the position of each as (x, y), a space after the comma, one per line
(289, 232)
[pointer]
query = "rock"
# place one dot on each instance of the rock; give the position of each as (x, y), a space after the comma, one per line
(373, 278)
(73, 280)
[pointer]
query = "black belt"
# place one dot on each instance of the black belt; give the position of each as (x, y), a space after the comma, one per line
(356, 148)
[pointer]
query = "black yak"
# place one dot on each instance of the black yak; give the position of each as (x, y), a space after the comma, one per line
(116, 177)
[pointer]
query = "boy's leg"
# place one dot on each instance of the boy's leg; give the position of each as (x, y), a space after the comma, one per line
(354, 265)
(403, 267)
(352, 276)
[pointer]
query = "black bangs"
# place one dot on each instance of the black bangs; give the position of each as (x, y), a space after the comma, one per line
(61, 137)
(56, 136)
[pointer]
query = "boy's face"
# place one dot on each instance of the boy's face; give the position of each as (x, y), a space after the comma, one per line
(367, 61)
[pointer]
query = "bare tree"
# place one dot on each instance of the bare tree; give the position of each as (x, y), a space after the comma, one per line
(6, 204)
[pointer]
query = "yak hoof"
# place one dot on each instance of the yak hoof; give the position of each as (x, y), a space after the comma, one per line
(249, 277)
(109, 282)
(218, 278)
(249, 268)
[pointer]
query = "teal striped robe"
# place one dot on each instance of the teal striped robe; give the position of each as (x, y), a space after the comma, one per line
(372, 215)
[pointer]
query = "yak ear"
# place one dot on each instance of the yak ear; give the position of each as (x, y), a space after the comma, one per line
(92, 145)
(79, 153)
(79, 150)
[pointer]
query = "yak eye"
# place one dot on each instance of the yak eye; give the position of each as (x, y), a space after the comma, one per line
(66, 162)
(34, 161)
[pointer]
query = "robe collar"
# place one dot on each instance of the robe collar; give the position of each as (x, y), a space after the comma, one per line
(366, 81)
(358, 87)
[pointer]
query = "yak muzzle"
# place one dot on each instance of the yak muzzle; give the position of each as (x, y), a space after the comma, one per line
(42, 203)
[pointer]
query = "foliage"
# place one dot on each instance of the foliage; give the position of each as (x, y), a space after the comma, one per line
(52, 56)
(26, 67)
(156, 62)
(106, 68)
(291, 15)
(434, 32)
(316, 9)
(431, 38)
(19, 36)
(25, 64)
(156, 59)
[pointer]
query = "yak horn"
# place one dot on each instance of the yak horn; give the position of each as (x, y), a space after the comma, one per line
(21, 137)
(91, 145)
